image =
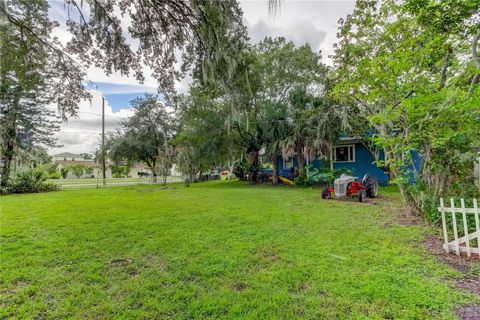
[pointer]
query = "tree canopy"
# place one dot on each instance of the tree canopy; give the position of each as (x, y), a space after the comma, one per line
(146, 136)
(410, 69)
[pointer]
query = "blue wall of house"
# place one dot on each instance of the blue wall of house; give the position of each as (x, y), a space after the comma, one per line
(364, 163)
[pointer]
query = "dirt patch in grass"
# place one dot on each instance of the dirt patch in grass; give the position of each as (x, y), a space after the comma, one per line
(300, 288)
(461, 263)
(239, 287)
(471, 312)
(408, 219)
(120, 262)
(472, 285)
(268, 255)
(464, 265)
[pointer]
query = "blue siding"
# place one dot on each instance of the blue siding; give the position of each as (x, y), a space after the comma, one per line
(364, 163)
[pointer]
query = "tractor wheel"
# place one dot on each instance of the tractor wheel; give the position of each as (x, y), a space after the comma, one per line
(326, 194)
(371, 185)
(362, 195)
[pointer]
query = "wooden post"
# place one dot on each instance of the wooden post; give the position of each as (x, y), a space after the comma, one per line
(465, 226)
(444, 225)
(455, 231)
(104, 175)
(477, 224)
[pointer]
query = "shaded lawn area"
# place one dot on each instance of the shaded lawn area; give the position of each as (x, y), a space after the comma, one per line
(216, 250)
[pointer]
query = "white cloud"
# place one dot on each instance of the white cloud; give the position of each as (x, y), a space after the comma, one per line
(299, 32)
(299, 21)
(82, 134)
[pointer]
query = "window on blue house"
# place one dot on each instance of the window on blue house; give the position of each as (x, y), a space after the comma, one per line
(288, 164)
(344, 153)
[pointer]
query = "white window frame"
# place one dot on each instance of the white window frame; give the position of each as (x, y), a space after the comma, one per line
(285, 163)
(349, 156)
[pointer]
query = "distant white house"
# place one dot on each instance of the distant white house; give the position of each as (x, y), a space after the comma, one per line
(67, 159)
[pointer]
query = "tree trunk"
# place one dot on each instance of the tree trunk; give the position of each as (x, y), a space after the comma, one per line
(231, 166)
(8, 163)
(154, 175)
(300, 159)
(409, 200)
(254, 166)
(275, 174)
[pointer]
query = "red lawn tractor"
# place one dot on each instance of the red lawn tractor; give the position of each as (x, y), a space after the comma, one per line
(348, 186)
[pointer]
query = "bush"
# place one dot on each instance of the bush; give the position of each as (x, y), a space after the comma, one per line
(64, 172)
(240, 170)
(3, 190)
(314, 176)
(77, 170)
(29, 181)
(54, 175)
(430, 201)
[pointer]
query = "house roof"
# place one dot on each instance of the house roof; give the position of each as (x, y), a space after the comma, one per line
(68, 154)
(348, 140)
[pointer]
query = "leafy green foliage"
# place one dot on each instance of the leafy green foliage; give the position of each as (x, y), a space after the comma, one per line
(320, 176)
(206, 33)
(32, 76)
(29, 181)
(77, 169)
(89, 170)
(241, 170)
(121, 170)
(54, 175)
(407, 69)
(146, 136)
(251, 109)
(64, 172)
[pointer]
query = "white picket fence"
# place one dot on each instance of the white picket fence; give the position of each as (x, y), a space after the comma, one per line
(460, 244)
(99, 183)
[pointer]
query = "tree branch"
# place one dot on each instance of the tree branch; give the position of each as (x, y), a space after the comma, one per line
(443, 78)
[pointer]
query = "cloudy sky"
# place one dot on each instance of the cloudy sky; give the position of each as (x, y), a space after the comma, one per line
(314, 22)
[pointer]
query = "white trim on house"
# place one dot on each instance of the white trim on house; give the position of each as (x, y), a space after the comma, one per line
(350, 152)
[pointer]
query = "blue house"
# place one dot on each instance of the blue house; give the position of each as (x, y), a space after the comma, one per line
(350, 153)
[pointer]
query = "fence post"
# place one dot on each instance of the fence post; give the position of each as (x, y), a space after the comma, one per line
(444, 225)
(455, 230)
(465, 226)
(477, 224)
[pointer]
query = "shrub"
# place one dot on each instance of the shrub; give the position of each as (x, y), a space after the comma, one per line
(314, 176)
(429, 201)
(54, 175)
(240, 170)
(3, 190)
(28, 182)
(64, 172)
(77, 170)
(49, 168)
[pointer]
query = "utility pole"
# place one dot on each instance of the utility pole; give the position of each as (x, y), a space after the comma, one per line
(103, 140)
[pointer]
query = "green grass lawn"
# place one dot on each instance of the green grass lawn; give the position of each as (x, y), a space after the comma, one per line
(216, 250)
